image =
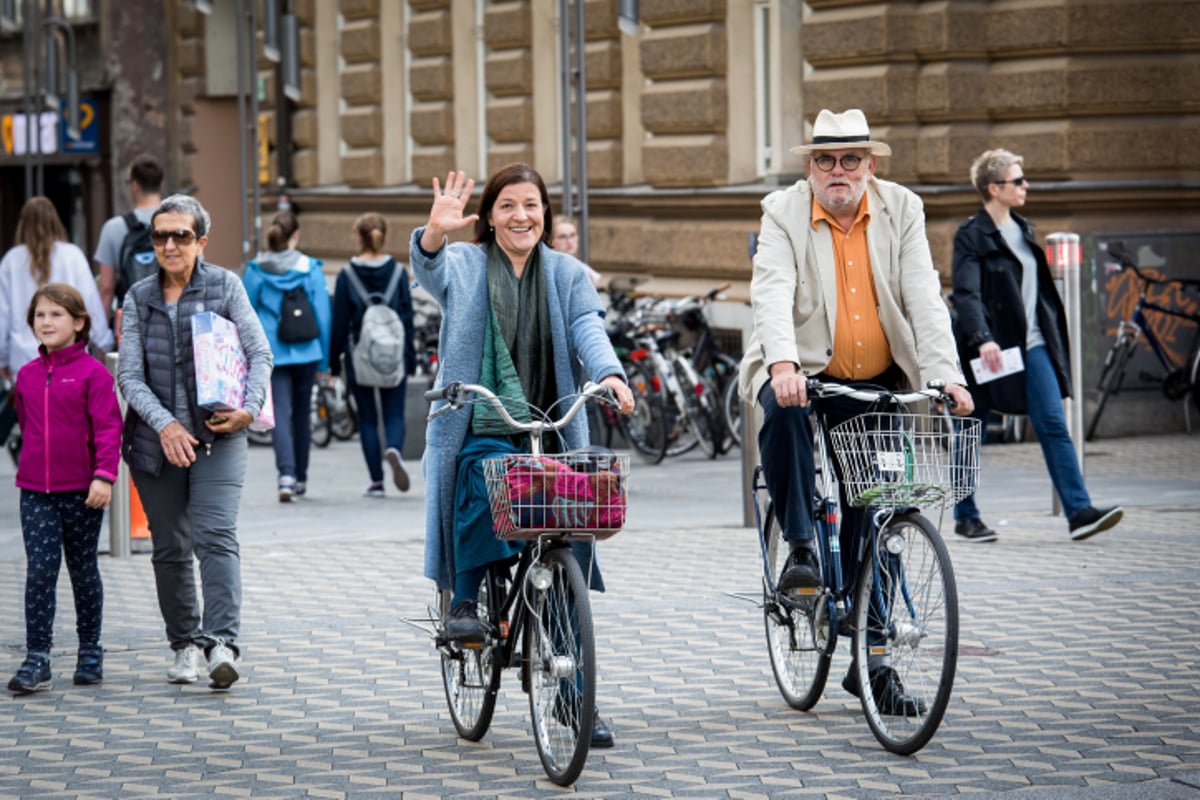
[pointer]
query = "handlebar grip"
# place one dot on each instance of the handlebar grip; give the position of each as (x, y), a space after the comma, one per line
(442, 393)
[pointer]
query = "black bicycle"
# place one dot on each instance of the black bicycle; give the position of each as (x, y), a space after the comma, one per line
(1180, 379)
(903, 610)
(539, 618)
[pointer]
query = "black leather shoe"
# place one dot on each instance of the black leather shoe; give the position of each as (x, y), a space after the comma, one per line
(1092, 520)
(890, 697)
(464, 625)
(802, 570)
(974, 530)
(601, 735)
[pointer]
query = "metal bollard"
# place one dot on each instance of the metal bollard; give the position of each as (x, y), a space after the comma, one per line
(1065, 256)
(118, 510)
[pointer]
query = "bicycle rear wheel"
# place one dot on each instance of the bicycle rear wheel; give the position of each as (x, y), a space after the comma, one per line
(560, 654)
(1111, 377)
(906, 614)
(470, 674)
(319, 418)
(731, 405)
(798, 639)
(646, 427)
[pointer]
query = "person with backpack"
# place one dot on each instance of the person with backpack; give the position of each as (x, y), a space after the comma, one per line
(373, 332)
(288, 292)
(125, 254)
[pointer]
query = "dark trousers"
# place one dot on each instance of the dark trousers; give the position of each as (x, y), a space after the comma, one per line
(291, 390)
(391, 403)
(53, 524)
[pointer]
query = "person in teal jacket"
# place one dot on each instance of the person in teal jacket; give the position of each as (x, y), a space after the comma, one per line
(299, 360)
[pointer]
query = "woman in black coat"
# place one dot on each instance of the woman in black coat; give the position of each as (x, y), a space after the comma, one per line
(1004, 298)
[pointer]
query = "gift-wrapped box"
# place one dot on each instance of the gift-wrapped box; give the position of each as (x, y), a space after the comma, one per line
(221, 368)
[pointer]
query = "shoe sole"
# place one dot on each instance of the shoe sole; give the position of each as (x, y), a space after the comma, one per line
(1099, 526)
(399, 476)
(86, 680)
(987, 537)
(44, 686)
(182, 679)
(286, 495)
(223, 676)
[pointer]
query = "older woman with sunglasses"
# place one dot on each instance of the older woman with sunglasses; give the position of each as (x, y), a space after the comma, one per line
(188, 463)
(1004, 297)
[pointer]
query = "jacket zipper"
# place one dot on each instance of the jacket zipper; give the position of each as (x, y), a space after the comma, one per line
(46, 422)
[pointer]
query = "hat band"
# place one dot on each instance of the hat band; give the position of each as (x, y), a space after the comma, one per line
(839, 139)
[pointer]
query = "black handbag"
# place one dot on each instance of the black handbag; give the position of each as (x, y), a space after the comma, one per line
(297, 320)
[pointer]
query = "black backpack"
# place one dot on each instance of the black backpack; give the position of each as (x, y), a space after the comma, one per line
(297, 320)
(137, 259)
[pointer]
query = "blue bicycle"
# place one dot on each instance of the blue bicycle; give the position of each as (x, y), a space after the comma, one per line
(902, 612)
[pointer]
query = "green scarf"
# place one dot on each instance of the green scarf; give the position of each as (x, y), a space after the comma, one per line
(518, 347)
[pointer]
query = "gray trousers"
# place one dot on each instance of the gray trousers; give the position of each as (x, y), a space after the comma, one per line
(193, 513)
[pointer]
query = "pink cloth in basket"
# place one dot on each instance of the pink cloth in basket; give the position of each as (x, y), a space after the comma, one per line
(544, 493)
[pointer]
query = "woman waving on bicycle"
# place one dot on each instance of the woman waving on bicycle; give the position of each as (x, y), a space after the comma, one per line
(1004, 298)
(522, 320)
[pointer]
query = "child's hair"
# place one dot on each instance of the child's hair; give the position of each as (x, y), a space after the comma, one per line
(371, 229)
(70, 299)
(283, 225)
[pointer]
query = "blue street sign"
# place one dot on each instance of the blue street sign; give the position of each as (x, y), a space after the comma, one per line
(89, 129)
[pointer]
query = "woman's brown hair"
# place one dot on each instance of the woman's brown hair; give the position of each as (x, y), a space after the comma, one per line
(283, 226)
(69, 298)
(38, 230)
(371, 229)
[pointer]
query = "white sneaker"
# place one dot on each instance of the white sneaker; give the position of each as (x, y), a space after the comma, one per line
(287, 488)
(399, 476)
(186, 666)
(222, 668)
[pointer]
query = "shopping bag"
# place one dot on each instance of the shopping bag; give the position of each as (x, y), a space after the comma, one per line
(221, 368)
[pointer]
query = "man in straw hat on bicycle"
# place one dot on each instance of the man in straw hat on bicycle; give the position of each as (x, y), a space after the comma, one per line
(844, 290)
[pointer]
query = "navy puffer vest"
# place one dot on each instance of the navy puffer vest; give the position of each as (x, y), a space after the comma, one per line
(141, 446)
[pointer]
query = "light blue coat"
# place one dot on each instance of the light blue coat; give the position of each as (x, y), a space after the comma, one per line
(456, 277)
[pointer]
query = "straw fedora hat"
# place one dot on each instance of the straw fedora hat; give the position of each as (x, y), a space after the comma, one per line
(845, 131)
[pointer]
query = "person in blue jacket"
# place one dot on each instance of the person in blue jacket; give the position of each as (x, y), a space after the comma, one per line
(272, 281)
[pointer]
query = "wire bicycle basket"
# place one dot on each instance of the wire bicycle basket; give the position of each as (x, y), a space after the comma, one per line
(577, 495)
(902, 459)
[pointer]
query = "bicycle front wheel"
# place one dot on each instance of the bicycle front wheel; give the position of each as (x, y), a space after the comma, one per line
(906, 618)
(798, 639)
(1111, 377)
(470, 674)
(560, 655)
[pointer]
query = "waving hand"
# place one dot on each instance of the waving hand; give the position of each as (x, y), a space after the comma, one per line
(446, 215)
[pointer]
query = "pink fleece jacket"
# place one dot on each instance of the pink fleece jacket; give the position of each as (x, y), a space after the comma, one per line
(70, 421)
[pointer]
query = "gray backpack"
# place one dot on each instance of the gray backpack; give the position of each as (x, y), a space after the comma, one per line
(377, 355)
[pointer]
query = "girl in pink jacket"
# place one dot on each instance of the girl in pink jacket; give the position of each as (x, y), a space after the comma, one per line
(71, 444)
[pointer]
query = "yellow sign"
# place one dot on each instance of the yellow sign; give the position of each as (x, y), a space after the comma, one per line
(264, 148)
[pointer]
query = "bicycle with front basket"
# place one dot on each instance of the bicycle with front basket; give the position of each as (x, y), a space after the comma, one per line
(539, 618)
(904, 606)
(1180, 380)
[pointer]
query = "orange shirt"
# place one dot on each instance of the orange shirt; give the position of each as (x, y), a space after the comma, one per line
(860, 347)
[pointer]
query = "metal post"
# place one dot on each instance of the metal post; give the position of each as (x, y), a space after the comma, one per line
(1065, 256)
(118, 510)
(242, 155)
(581, 134)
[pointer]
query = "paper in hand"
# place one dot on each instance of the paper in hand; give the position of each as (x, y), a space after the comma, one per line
(1010, 363)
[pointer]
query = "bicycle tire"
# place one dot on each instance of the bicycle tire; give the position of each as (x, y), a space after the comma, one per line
(645, 429)
(319, 419)
(560, 654)
(1111, 378)
(1194, 375)
(798, 642)
(681, 433)
(470, 676)
(731, 405)
(343, 421)
(910, 580)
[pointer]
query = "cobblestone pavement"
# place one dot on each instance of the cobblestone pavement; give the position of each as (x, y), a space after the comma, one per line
(1079, 676)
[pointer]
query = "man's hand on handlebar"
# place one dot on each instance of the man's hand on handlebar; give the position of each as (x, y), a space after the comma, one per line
(789, 385)
(963, 403)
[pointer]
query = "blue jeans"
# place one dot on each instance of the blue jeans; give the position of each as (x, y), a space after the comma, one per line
(1044, 404)
(392, 405)
(291, 389)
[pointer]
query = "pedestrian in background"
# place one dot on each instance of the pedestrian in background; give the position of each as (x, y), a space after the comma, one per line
(374, 270)
(566, 240)
(288, 292)
(190, 493)
(118, 269)
(1004, 297)
(67, 407)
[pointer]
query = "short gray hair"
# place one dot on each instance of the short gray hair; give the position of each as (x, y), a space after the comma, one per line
(185, 204)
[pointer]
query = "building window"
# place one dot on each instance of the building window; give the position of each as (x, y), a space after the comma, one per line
(764, 122)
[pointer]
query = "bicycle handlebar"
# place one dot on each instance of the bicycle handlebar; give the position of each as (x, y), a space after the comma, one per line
(936, 392)
(456, 394)
(1118, 252)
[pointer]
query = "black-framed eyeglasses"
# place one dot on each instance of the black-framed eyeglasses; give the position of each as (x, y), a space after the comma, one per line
(182, 237)
(849, 162)
(1017, 181)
